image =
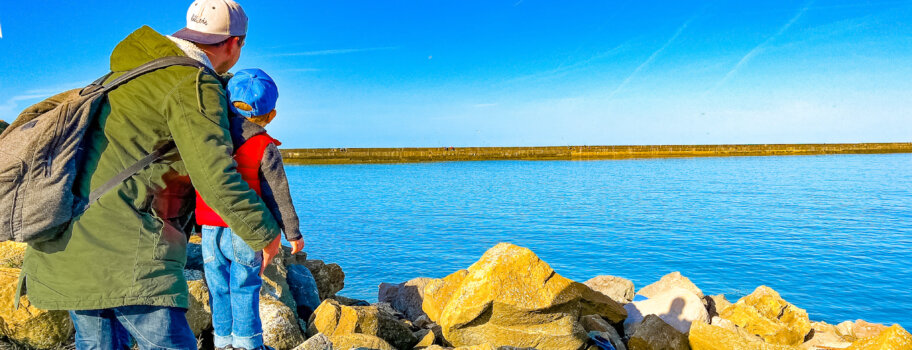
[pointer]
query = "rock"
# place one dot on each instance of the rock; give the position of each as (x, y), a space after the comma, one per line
(894, 337)
(194, 256)
(594, 323)
(715, 304)
(617, 288)
(705, 337)
(389, 310)
(422, 322)
(280, 326)
(406, 297)
(863, 329)
(845, 330)
(349, 301)
(360, 341)
(511, 297)
(11, 254)
(334, 319)
(330, 278)
(304, 290)
(676, 306)
(199, 314)
(655, 334)
(293, 259)
(824, 335)
(674, 279)
(767, 315)
(275, 283)
(425, 338)
(317, 342)
(29, 325)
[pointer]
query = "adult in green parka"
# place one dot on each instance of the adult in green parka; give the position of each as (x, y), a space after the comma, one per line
(118, 268)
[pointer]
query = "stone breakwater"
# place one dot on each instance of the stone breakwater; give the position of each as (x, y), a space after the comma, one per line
(508, 299)
(440, 154)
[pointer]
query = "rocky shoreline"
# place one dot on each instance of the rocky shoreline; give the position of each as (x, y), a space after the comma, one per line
(508, 299)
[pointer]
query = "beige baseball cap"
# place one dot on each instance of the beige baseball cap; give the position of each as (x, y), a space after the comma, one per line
(213, 21)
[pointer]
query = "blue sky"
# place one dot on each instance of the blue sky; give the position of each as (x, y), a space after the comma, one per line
(522, 72)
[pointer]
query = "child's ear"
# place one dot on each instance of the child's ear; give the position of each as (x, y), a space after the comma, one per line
(272, 115)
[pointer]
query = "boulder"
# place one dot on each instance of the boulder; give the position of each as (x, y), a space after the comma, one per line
(334, 319)
(845, 330)
(199, 314)
(29, 325)
(280, 326)
(863, 329)
(349, 301)
(767, 315)
(655, 334)
(824, 335)
(715, 304)
(330, 278)
(678, 307)
(304, 290)
(511, 297)
(617, 288)
(705, 337)
(425, 338)
(360, 341)
(275, 282)
(894, 337)
(298, 258)
(194, 255)
(671, 280)
(406, 297)
(595, 323)
(317, 342)
(11, 254)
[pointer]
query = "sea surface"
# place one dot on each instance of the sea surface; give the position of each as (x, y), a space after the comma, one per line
(832, 234)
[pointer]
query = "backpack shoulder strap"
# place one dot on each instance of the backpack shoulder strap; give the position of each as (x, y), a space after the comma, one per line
(158, 152)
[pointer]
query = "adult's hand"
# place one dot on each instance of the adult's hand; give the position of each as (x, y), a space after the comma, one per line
(270, 252)
(297, 246)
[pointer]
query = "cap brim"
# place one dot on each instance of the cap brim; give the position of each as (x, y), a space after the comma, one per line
(200, 38)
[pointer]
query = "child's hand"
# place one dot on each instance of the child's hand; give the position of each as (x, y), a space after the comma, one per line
(270, 252)
(297, 246)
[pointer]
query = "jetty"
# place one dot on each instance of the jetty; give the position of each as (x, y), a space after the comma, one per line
(445, 154)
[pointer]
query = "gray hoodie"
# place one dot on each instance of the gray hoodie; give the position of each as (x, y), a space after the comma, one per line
(273, 183)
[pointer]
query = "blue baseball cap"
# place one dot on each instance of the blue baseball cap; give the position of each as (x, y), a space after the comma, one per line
(255, 88)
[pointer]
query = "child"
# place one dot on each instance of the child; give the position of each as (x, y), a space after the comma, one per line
(233, 269)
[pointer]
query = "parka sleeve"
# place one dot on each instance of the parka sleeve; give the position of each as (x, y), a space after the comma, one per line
(198, 119)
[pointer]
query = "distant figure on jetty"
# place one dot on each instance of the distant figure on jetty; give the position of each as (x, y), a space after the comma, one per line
(118, 267)
(233, 270)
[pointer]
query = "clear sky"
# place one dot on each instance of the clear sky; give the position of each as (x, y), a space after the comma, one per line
(522, 72)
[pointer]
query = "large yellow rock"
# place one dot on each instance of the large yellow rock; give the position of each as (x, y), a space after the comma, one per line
(359, 341)
(893, 338)
(280, 324)
(705, 337)
(29, 325)
(767, 315)
(11, 254)
(334, 319)
(510, 297)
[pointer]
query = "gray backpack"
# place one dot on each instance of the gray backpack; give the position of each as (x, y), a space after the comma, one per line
(39, 152)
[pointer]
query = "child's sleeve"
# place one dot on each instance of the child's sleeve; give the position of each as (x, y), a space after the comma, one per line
(276, 194)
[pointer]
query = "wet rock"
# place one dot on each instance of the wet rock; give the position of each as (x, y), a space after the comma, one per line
(767, 315)
(406, 297)
(617, 288)
(360, 341)
(511, 297)
(676, 306)
(29, 325)
(594, 323)
(317, 342)
(655, 334)
(330, 278)
(199, 314)
(280, 326)
(304, 290)
(11, 254)
(669, 281)
(334, 319)
(705, 337)
(894, 337)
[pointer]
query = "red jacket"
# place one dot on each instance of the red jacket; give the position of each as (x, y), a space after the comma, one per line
(248, 157)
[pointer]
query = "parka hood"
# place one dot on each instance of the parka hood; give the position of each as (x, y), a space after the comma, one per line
(141, 46)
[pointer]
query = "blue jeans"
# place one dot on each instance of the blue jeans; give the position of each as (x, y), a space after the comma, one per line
(233, 277)
(153, 327)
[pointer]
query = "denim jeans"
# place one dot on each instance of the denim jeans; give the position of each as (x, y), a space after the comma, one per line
(233, 277)
(152, 327)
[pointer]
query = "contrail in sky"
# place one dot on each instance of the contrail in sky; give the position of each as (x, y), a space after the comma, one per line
(652, 57)
(759, 48)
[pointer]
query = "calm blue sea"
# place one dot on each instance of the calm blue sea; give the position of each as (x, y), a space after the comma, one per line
(832, 234)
